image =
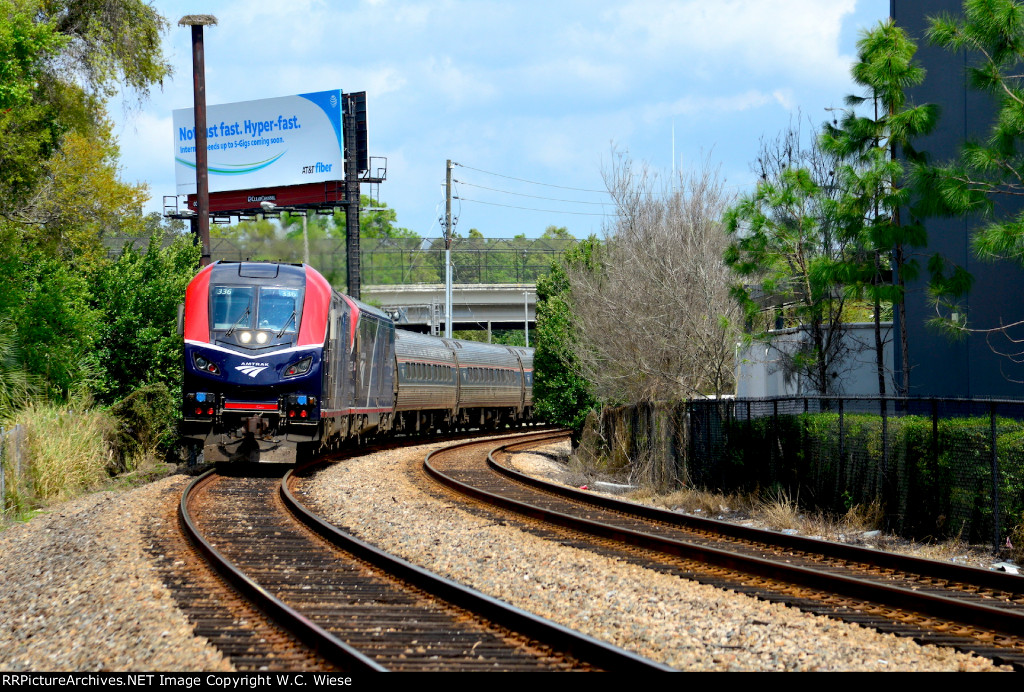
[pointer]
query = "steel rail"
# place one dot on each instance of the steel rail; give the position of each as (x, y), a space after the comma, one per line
(991, 579)
(327, 645)
(899, 597)
(562, 639)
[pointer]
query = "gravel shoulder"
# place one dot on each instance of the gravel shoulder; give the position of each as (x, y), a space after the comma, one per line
(80, 592)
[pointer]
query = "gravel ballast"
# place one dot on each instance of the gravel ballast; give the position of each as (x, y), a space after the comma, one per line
(687, 625)
(79, 590)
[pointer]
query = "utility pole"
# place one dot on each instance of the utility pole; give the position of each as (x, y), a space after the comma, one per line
(201, 222)
(448, 253)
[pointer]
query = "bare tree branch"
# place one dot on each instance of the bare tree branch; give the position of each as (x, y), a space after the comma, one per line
(656, 321)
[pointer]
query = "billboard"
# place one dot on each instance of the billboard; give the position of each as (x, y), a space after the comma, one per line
(330, 193)
(291, 140)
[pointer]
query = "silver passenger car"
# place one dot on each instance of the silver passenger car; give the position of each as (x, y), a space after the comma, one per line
(426, 374)
(451, 383)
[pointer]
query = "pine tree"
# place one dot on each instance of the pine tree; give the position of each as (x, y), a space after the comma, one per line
(991, 32)
(785, 254)
(874, 178)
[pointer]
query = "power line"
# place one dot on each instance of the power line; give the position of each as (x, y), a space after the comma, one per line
(520, 194)
(531, 182)
(548, 211)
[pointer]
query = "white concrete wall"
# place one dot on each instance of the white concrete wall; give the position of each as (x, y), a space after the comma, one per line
(759, 372)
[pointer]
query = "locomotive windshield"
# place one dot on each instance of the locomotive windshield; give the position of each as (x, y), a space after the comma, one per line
(232, 307)
(245, 307)
(279, 309)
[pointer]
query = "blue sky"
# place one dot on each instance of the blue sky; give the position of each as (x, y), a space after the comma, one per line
(535, 91)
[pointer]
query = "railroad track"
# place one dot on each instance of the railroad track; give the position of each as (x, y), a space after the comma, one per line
(360, 609)
(972, 610)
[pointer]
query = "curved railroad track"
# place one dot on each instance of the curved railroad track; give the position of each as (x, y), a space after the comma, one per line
(360, 609)
(972, 610)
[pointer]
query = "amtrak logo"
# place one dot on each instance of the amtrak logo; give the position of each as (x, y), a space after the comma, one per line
(252, 369)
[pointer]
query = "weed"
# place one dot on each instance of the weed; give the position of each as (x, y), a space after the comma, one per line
(865, 517)
(68, 449)
(694, 501)
(778, 511)
(1016, 539)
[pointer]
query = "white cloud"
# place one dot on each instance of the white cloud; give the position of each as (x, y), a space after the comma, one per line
(527, 88)
(797, 37)
(454, 84)
(710, 107)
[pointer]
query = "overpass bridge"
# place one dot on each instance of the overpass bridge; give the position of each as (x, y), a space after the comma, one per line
(420, 307)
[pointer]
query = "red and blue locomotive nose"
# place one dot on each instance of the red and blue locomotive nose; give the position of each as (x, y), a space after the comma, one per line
(231, 368)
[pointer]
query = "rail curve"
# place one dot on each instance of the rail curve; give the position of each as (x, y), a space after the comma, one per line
(375, 612)
(972, 610)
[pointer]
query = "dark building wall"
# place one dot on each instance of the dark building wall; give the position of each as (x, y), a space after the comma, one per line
(941, 366)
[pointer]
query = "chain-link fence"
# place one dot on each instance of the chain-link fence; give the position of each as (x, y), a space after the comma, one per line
(391, 261)
(939, 467)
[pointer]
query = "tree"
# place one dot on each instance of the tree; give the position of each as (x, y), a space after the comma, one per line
(390, 252)
(991, 32)
(110, 44)
(63, 58)
(29, 126)
(138, 294)
(24, 44)
(82, 200)
(784, 255)
(59, 192)
(653, 319)
(873, 178)
(561, 394)
(376, 220)
(57, 326)
(556, 233)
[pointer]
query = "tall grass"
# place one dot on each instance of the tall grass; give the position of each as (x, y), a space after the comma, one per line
(64, 451)
(1016, 542)
(56, 451)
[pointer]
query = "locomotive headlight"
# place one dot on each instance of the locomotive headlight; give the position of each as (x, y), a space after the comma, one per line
(262, 337)
(245, 337)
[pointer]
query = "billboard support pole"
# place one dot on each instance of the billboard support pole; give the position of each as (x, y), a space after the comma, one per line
(202, 225)
(352, 263)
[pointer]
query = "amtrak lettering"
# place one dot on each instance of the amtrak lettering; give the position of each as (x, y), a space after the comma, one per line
(252, 369)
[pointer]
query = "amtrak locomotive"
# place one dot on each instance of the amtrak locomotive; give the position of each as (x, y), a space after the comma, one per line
(279, 365)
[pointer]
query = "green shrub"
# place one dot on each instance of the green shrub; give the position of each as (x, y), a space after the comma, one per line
(146, 421)
(927, 487)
